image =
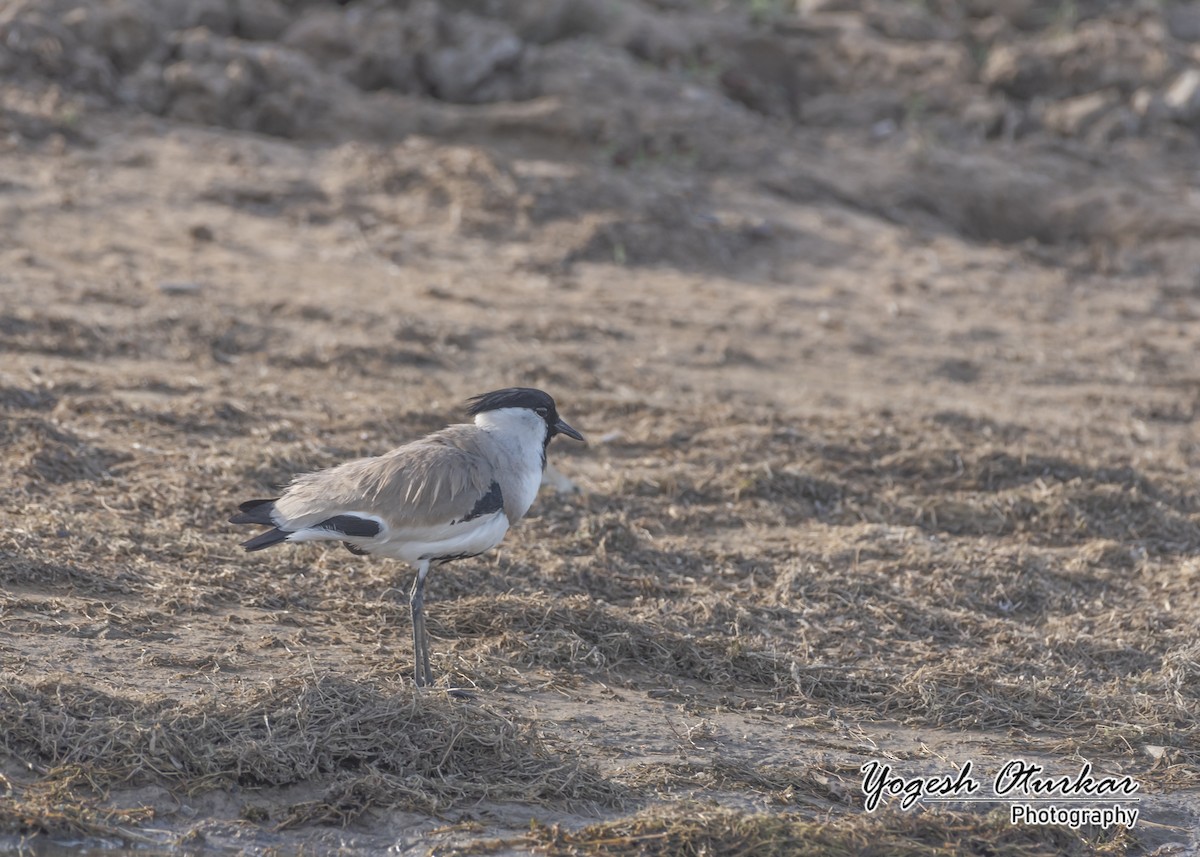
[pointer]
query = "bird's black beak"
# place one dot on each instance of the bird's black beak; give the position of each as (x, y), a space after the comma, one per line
(562, 428)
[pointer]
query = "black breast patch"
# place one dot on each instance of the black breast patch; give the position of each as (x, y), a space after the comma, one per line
(488, 504)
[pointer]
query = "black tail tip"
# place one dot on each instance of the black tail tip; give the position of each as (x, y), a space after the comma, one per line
(255, 512)
(251, 505)
(265, 540)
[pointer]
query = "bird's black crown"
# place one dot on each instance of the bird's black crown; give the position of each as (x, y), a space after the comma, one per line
(514, 397)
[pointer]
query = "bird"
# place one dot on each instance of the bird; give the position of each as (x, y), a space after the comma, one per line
(450, 495)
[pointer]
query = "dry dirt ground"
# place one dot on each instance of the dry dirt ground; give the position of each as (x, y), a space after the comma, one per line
(880, 317)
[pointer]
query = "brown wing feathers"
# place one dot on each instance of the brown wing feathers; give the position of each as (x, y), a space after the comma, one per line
(430, 482)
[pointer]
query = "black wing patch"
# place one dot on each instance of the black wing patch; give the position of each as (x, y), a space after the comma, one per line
(350, 525)
(355, 549)
(489, 503)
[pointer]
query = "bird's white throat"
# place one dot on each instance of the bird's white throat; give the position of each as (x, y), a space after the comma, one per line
(518, 426)
(521, 434)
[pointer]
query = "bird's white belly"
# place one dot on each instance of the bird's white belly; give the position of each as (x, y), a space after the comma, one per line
(464, 539)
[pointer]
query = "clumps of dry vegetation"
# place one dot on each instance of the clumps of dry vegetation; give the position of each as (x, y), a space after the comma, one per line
(579, 631)
(951, 476)
(421, 752)
(702, 830)
(855, 590)
(59, 807)
(779, 785)
(875, 619)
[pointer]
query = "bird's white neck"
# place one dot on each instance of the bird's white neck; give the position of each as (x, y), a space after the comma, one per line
(521, 435)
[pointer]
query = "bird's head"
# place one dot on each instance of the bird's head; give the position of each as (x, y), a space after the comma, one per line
(522, 398)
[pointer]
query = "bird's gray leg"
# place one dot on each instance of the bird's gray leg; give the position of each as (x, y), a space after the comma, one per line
(422, 673)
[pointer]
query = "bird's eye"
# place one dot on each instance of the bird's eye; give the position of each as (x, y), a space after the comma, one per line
(541, 412)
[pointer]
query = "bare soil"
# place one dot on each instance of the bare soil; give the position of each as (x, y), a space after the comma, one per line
(881, 320)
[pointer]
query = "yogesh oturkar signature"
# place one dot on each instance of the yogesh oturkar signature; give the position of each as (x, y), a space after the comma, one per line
(1034, 794)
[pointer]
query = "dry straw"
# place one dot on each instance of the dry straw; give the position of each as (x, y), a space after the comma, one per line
(709, 831)
(423, 752)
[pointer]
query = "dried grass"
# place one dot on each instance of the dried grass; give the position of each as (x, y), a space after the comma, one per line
(60, 808)
(940, 571)
(697, 830)
(419, 751)
(780, 784)
(579, 631)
